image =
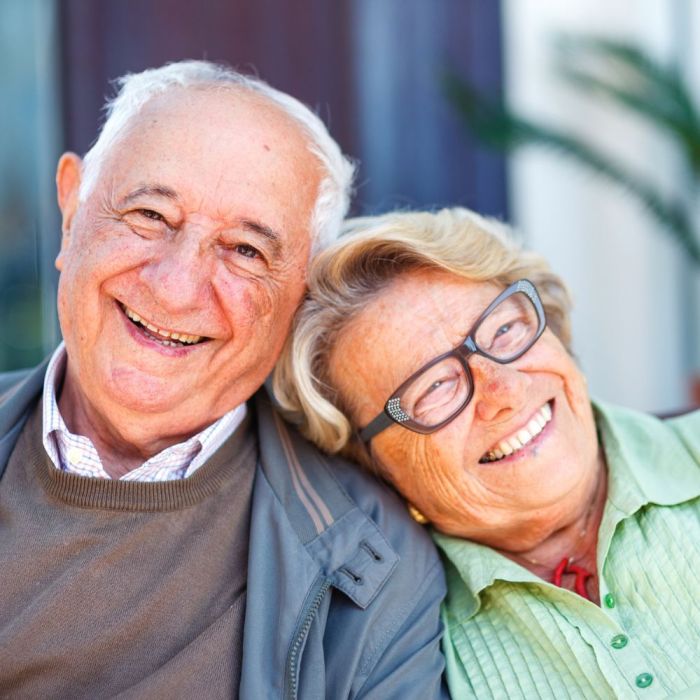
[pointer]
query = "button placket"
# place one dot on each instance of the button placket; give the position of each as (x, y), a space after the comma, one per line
(634, 668)
(631, 660)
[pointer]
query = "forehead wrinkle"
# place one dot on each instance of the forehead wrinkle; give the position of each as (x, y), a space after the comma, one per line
(461, 313)
(438, 316)
(426, 310)
(377, 361)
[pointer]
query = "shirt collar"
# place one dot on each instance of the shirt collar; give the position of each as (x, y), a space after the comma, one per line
(472, 567)
(647, 463)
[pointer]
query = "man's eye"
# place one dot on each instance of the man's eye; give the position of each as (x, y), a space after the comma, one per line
(150, 214)
(247, 250)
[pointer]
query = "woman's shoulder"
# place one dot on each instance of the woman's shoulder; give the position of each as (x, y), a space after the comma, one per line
(687, 428)
(662, 456)
(643, 425)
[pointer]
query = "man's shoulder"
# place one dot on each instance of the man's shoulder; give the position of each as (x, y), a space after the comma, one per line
(19, 389)
(417, 568)
(401, 627)
(337, 484)
(329, 521)
(9, 380)
(382, 504)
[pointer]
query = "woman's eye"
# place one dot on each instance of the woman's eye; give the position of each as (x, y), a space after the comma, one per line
(435, 393)
(503, 329)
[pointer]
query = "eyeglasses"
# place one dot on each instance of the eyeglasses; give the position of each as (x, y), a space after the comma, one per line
(440, 390)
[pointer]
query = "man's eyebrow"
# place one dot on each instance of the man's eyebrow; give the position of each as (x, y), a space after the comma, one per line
(158, 190)
(272, 235)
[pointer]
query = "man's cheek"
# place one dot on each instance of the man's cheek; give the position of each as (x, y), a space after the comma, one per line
(247, 302)
(64, 306)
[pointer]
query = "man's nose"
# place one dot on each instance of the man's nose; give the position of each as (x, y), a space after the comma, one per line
(179, 277)
(499, 390)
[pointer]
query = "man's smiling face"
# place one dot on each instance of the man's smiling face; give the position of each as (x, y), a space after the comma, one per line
(182, 269)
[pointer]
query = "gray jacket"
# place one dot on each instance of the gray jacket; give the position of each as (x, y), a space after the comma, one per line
(343, 588)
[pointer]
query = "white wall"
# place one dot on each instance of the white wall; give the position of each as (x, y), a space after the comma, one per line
(627, 278)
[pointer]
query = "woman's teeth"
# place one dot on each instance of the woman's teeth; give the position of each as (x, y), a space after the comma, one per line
(164, 336)
(518, 440)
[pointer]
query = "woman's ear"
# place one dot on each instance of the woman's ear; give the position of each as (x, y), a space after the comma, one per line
(68, 178)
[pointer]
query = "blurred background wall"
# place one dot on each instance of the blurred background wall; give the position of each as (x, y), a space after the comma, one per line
(374, 70)
(637, 313)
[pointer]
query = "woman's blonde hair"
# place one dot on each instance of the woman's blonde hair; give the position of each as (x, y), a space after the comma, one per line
(371, 253)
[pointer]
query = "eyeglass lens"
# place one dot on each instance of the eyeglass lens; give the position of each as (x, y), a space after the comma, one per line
(509, 328)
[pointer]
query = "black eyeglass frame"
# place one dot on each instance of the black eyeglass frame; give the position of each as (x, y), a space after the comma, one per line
(393, 413)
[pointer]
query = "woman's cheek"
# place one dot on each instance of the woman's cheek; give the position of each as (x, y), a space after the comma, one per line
(577, 390)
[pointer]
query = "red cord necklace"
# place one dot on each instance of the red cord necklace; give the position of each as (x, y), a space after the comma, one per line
(582, 575)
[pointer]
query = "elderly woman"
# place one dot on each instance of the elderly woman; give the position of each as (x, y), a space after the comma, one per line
(434, 350)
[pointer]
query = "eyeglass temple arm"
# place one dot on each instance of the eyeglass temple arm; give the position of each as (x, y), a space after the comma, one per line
(381, 422)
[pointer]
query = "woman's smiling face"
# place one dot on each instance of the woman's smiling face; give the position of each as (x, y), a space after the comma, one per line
(453, 475)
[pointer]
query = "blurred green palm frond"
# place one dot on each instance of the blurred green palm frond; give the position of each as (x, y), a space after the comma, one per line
(628, 78)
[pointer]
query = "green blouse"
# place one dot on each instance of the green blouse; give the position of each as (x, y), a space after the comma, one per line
(509, 634)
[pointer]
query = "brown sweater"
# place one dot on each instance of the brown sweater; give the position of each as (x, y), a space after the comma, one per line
(128, 589)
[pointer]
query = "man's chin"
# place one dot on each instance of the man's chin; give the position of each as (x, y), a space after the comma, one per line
(139, 393)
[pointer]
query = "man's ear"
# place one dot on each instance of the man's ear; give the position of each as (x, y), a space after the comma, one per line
(68, 177)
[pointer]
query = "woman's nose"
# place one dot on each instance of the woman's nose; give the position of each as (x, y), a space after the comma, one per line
(499, 390)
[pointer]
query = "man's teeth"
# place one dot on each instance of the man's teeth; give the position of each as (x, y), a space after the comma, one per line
(518, 440)
(182, 337)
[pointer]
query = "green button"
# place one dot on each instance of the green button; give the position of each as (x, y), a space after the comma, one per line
(609, 600)
(644, 680)
(619, 641)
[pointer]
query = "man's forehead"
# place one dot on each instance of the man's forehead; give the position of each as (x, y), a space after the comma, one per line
(199, 109)
(206, 122)
(231, 130)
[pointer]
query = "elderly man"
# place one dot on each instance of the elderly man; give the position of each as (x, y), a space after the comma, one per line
(163, 534)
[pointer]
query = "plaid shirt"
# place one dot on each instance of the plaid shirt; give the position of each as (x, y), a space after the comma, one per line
(76, 454)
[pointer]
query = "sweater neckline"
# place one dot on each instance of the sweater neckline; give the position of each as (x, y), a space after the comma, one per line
(238, 452)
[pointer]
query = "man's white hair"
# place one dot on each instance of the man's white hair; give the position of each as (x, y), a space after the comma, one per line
(136, 89)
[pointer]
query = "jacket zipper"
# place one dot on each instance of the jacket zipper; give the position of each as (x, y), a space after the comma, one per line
(298, 641)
